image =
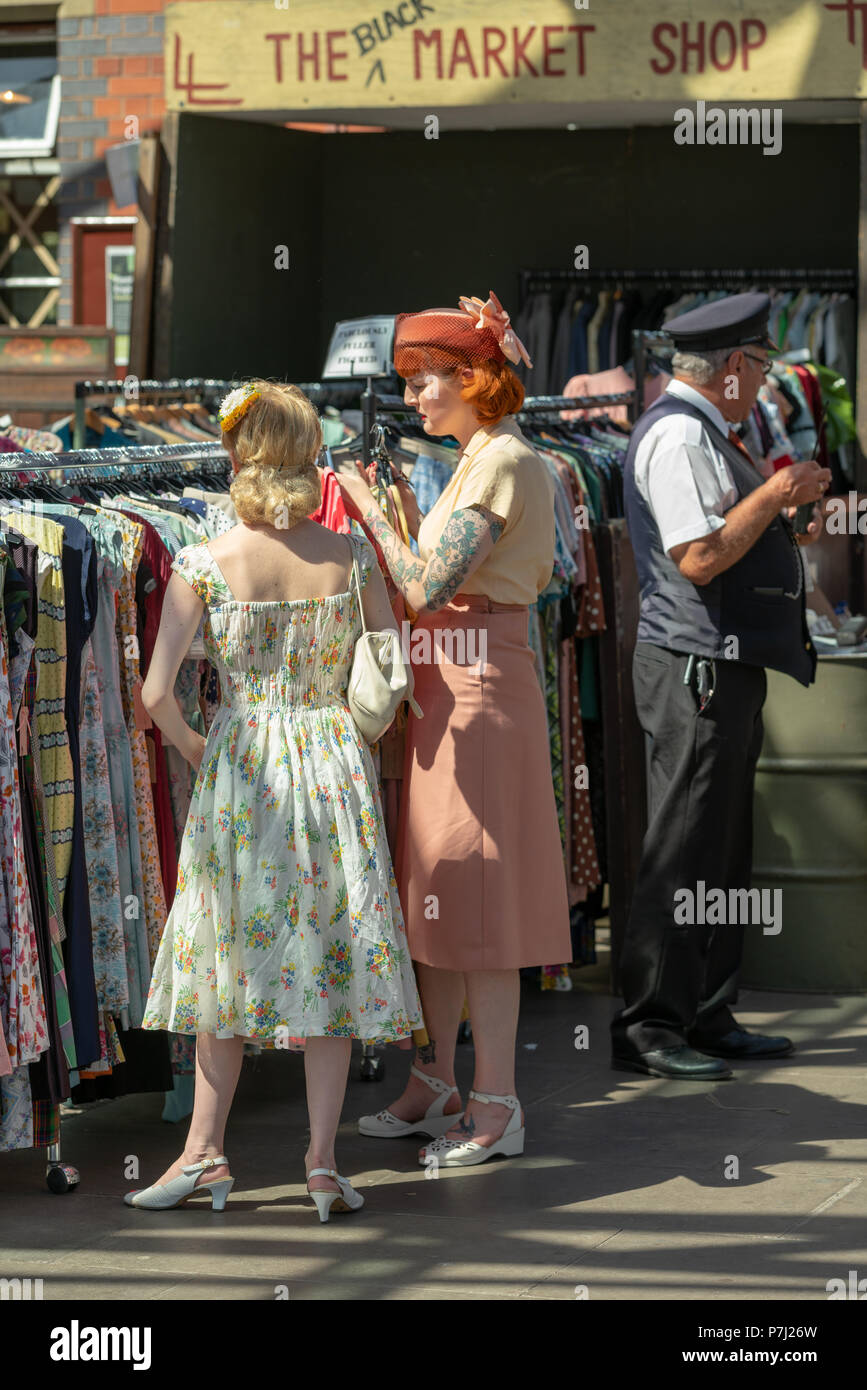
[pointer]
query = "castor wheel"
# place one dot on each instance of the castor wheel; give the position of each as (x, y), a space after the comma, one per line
(61, 1177)
(465, 1031)
(372, 1069)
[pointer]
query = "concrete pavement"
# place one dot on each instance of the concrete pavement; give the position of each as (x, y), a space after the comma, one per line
(621, 1192)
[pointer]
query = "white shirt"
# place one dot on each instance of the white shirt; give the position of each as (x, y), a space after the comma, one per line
(682, 477)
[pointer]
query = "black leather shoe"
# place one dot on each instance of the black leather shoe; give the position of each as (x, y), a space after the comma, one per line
(742, 1046)
(679, 1063)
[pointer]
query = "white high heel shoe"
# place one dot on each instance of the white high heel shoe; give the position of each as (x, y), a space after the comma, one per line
(181, 1188)
(385, 1125)
(347, 1199)
(463, 1153)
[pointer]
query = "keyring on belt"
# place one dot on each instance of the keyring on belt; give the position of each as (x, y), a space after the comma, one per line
(705, 668)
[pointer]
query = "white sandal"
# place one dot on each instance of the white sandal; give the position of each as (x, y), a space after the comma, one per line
(181, 1188)
(385, 1125)
(347, 1199)
(463, 1153)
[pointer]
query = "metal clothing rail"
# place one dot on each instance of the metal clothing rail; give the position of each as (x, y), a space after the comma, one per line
(832, 277)
(179, 385)
(395, 405)
(175, 384)
(532, 404)
(138, 458)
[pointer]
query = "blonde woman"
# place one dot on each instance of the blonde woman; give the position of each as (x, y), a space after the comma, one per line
(286, 922)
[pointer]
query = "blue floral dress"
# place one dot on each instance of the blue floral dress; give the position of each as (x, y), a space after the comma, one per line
(286, 922)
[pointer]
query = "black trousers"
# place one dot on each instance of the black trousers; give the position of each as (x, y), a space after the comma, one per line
(679, 981)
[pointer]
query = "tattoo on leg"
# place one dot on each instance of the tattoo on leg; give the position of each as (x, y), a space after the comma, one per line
(467, 1126)
(428, 1053)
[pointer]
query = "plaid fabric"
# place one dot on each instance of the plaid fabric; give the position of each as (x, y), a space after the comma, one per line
(46, 1124)
(55, 918)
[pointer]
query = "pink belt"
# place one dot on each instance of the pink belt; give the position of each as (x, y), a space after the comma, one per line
(481, 603)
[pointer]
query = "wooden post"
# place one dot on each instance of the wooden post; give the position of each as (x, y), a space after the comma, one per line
(860, 393)
(144, 243)
(163, 279)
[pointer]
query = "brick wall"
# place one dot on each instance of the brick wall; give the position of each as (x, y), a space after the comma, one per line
(111, 64)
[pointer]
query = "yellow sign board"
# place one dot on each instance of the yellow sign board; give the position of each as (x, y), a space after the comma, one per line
(267, 55)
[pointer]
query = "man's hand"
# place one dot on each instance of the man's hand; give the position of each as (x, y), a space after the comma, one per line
(801, 482)
(700, 561)
(814, 529)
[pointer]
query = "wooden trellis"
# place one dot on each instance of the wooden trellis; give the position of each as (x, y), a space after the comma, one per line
(24, 220)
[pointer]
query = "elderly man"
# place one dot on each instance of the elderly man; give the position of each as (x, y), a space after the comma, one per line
(722, 598)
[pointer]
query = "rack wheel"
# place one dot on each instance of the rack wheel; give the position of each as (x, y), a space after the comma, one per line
(372, 1069)
(465, 1031)
(61, 1177)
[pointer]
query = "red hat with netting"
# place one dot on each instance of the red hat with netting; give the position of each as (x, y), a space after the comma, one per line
(478, 331)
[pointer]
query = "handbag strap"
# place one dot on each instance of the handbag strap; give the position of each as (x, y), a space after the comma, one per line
(357, 579)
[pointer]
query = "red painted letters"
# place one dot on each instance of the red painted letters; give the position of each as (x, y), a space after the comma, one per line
(694, 47)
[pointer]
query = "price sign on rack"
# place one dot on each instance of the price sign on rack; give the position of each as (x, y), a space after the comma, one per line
(360, 347)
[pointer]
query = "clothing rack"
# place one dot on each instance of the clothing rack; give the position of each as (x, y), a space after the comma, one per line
(832, 278)
(83, 464)
(191, 388)
(554, 405)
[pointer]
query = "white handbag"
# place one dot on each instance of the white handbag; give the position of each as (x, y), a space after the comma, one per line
(380, 678)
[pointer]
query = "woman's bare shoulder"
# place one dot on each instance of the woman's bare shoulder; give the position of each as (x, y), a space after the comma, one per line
(309, 537)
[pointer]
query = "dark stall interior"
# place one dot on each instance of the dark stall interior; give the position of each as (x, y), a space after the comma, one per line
(377, 223)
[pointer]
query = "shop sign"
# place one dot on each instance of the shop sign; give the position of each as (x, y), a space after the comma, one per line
(292, 55)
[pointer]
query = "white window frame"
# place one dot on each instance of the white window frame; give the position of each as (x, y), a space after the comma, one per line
(45, 146)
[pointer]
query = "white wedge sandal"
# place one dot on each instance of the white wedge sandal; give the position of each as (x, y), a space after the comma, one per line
(182, 1188)
(385, 1125)
(347, 1199)
(464, 1153)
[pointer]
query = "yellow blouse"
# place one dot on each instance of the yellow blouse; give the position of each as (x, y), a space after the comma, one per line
(498, 470)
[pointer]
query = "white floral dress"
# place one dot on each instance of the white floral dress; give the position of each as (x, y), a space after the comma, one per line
(286, 920)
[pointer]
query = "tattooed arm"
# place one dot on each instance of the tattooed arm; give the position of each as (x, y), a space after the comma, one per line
(469, 537)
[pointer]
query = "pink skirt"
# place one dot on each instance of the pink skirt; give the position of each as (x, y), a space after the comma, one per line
(479, 861)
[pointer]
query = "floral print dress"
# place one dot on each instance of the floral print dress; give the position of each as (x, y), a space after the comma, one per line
(286, 922)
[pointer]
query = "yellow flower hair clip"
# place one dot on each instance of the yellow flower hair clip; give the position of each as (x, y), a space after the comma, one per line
(236, 405)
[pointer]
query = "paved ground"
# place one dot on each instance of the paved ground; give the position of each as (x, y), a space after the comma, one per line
(621, 1188)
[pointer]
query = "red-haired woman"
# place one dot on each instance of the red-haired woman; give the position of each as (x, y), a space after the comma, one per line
(479, 861)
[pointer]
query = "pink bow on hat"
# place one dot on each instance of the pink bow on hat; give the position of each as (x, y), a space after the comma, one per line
(491, 314)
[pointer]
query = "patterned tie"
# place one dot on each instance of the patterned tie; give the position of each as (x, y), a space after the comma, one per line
(734, 438)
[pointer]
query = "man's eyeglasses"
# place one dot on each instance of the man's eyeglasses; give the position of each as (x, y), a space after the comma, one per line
(764, 362)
